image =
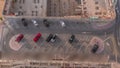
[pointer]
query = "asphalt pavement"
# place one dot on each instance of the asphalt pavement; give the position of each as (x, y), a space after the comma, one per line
(117, 29)
(75, 26)
(80, 50)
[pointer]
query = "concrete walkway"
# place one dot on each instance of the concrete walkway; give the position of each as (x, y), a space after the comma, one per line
(1, 35)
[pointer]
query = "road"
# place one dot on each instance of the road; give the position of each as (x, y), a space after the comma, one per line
(117, 29)
(72, 27)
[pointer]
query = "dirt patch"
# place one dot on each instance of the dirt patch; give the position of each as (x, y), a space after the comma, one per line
(1, 6)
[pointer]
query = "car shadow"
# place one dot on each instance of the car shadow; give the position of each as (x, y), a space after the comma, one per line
(76, 44)
(40, 42)
(57, 42)
(25, 44)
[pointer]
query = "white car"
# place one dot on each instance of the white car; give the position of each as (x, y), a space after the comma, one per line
(16, 14)
(35, 23)
(62, 23)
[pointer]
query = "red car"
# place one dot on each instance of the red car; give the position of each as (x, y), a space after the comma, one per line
(19, 37)
(37, 37)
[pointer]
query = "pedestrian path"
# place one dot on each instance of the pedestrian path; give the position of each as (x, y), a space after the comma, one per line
(56, 64)
(1, 35)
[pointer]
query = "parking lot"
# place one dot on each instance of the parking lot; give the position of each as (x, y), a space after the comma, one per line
(61, 49)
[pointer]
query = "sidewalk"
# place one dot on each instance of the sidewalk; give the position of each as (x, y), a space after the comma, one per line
(102, 25)
(1, 34)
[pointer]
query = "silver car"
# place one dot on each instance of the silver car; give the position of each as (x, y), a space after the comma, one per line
(63, 24)
(35, 23)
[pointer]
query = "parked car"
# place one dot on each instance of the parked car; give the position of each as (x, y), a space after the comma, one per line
(16, 14)
(95, 48)
(62, 23)
(54, 38)
(19, 38)
(46, 23)
(49, 37)
(37, 37)
(72, 38)
(35, 23)
(24, 22)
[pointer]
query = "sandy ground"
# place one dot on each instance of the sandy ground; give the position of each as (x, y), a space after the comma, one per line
(1, 7)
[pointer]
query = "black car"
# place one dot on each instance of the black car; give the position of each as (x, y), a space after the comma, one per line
(95, 48)
(54, 38)
(49, 38)
(72, 38)
(46, 23)
(24, 22)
